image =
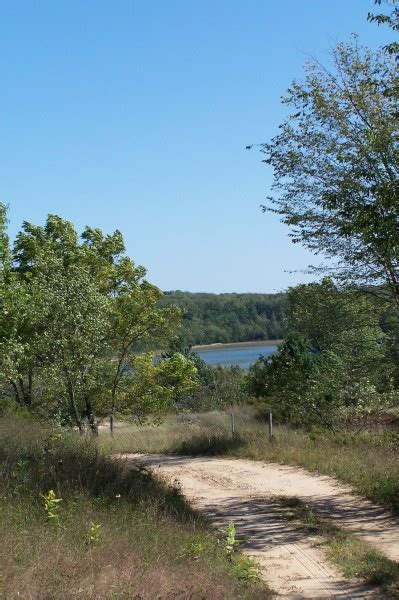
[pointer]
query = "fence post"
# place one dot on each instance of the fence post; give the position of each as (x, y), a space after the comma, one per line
(233, 427)
(270, 425)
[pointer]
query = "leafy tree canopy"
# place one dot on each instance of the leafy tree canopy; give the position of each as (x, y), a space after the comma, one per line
(334, 363)
(336, 165)
(80, 326)
(391, 19)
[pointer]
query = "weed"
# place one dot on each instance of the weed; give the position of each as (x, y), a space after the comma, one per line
(94, 534)
(230, 542)
(197, 548)
(51, 506)
(246, 570)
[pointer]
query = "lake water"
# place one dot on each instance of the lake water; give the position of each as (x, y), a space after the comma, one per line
(243, 356)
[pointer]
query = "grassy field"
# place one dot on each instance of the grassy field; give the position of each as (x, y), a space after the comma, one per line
(367, 461)
(77, 524)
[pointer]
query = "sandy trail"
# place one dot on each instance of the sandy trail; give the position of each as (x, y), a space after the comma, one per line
(242, 490)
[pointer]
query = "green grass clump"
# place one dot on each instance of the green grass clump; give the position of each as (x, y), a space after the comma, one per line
(106, 530)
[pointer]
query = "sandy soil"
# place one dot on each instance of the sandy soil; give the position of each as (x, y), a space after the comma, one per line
(231, 345)
(242, 491)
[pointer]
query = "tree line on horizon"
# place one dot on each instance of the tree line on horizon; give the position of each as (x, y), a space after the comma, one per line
(209, 318)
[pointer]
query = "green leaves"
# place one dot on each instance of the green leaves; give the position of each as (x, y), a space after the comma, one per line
(392, 20)
(153, 387)
(334, 363)
(51, 506)
(80, 327)
(336, 166)
(231, 542)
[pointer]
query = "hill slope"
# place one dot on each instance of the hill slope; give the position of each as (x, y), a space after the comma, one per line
(210, 318)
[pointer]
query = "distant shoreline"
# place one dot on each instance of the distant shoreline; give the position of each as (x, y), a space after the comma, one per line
(232, 345)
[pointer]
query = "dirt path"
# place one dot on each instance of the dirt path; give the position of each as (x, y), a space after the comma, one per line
(241, 491)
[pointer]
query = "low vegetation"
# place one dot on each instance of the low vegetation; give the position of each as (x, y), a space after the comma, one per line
(338, 364)
(78, 524)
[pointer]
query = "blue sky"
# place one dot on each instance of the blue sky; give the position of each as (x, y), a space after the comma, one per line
(135, 115)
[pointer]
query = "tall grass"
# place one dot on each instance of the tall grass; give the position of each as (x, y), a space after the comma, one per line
(368, 461)
(118, 534)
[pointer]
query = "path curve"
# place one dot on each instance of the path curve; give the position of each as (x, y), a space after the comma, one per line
(242, 491)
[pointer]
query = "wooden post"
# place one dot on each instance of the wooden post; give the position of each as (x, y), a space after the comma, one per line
(233, 428)
(270, 425)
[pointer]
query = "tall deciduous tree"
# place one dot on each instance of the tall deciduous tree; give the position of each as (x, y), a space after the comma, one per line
(336, 166)
(13, 308)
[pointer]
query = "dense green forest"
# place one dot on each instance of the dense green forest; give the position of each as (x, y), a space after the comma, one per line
(210, 318)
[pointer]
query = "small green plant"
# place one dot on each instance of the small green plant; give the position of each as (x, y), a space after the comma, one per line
(197, 548)
(51, 506)
(95, 533)
(231, 542)
(246, 570)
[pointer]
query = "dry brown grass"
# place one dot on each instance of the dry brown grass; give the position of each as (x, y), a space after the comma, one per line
(151, 545)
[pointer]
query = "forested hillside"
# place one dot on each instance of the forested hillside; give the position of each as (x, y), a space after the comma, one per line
(210, 318)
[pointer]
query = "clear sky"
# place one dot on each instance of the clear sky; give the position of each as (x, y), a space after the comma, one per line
(135, 115)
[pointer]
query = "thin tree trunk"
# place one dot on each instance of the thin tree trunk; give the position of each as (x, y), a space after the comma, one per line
(113, 397)
(74, 407)
(111, 423)
(26, 392)
(30, 386)
(17, 394)
(90, 416)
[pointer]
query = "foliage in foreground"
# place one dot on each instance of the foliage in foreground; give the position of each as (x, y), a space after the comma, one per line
(336, 365)
(77, 523)
(79, 326)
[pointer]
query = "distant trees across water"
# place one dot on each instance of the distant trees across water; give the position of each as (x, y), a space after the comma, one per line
(211, 318)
